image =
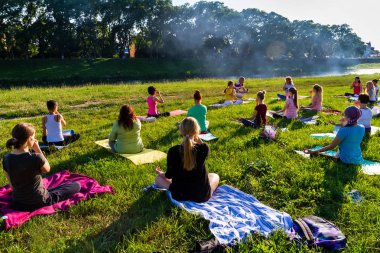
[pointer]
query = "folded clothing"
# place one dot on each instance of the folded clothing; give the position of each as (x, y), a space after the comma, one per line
(89, 187)
(233, 215)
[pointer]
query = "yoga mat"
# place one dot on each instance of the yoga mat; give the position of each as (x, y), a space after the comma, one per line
(323, 135)
(375, 111)
(329, 153)
(331, 111)
(146, 119)
(65, 133)
(309, 120)
(234, 215)
(367, 167)
(374, 130)
(353, 98)
(152, 119)
(238, 102)
(371, 168)
(208, 137)
(281, 96)
(144, 157)
(89, 187)
(177, 112)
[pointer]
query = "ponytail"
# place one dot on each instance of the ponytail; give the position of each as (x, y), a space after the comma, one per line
(188, 154)
(189, 128)
(295, 97)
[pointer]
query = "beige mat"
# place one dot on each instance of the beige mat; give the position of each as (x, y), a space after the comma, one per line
(144, 157)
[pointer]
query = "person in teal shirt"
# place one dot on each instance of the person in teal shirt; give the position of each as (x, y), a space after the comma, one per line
(199, 111)
(125, 135)
(348, 138)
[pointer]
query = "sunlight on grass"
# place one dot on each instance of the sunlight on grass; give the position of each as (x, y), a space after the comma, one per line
(133, 221)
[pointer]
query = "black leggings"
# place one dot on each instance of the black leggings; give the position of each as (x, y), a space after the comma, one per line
(66, 140)
(63, 192)
(56, 194)
(158, 115)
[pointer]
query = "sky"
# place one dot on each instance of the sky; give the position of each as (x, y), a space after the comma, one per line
(362, 15)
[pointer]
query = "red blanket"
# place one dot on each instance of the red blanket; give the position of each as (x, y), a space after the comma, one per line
(89, 187)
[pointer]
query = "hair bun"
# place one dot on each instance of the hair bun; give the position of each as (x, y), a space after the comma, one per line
(12, 142)
(264, 92)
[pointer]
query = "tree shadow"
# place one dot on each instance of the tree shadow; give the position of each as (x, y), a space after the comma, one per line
(165, 140)
(336, 178)
(140, 215)
(75, 160)
(364, 143)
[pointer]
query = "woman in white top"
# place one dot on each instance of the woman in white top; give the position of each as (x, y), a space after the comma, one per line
(366, 117)
(52, 125)
(288, 84)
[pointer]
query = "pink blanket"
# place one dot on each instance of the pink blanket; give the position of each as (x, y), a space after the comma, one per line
(89, 187)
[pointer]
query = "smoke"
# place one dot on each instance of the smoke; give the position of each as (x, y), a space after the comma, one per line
(255, 43)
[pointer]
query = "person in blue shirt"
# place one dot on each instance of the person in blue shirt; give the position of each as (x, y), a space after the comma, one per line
(348, 138)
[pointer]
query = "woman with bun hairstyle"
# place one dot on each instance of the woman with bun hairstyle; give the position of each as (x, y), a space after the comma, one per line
(125, 134)
(23, 171)
(259, 116)
(199, 111)
(186, 176)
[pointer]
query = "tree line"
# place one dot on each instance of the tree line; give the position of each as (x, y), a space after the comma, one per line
(157, 29)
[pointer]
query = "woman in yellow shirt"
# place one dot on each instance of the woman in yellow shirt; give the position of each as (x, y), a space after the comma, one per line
(230, 93)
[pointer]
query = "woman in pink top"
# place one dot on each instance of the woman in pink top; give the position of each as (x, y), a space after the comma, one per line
(154, 98)
(291, 105)
(316, 99)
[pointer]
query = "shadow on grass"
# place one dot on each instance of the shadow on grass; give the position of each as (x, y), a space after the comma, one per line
(75, 160)
(165, 140)
(336, 178)
(139, 216)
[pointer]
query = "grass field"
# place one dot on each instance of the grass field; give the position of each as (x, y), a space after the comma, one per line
(55, 72)
(133, 221)
(43, 72)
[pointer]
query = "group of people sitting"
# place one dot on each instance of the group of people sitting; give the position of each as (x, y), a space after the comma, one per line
(371, 89)
(186, 175)
(23, 169)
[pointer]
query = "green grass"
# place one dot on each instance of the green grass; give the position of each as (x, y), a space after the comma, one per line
(133, 221)
(44, 72)
(47, 72)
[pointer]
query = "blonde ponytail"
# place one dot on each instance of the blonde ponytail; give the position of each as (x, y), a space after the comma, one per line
(188, 154)
(189, 129)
